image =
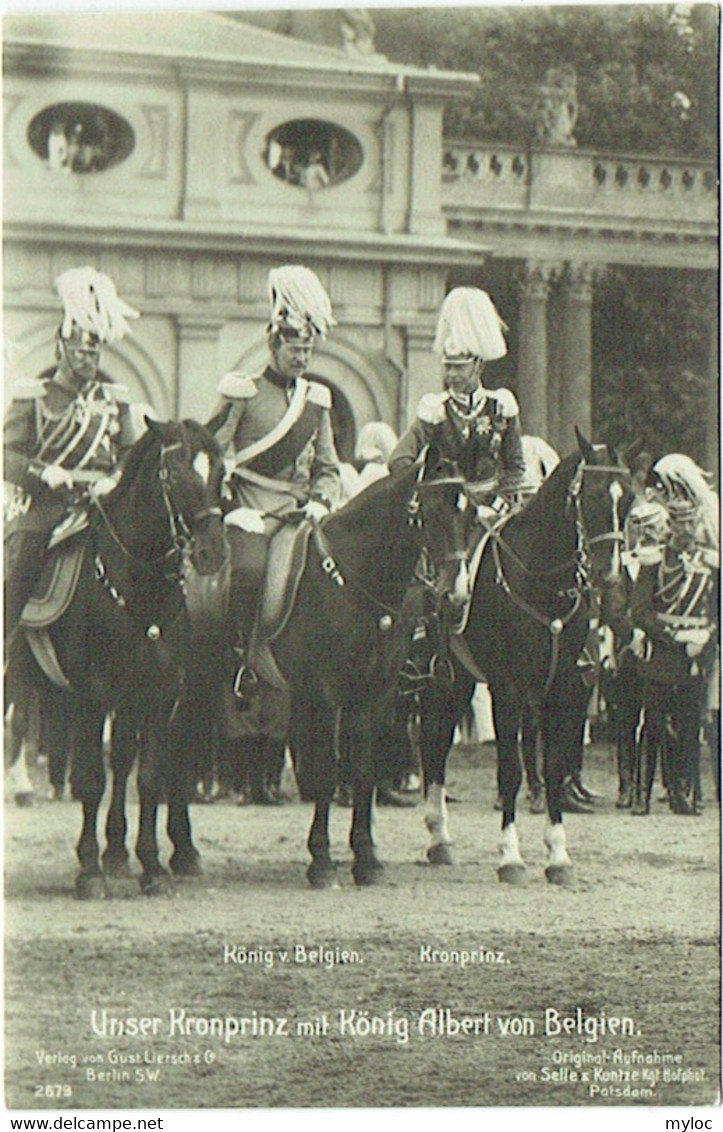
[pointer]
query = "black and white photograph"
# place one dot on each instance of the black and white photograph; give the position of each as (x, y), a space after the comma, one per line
(361, 563)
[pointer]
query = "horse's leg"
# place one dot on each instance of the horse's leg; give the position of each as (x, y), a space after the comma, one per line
(441, 709)
(529, 742)
(366, 867)
(185, 860)
(19, 784)
(155, 879)
(87, 785)
(314, 753)
(559, 730)
(506, 715)
(123, 753)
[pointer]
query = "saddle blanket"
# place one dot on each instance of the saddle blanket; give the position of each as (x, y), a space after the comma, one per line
(56, 586)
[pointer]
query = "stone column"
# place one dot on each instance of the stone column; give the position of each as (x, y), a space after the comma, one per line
(198, 365)
(423, 372)
(712, 415)
(532, 363)
(575, 394)
(425, 187)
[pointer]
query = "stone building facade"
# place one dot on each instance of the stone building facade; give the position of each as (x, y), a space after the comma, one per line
(187, 153)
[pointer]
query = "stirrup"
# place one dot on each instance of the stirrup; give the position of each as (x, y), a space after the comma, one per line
(245, 684)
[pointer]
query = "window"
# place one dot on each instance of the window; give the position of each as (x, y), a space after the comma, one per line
(313, 154)
(80, 137)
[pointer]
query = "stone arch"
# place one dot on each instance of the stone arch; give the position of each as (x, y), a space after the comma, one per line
(337, 363)
(127, 362)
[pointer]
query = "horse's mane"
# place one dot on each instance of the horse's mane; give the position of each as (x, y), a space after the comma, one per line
(150, 441)
(362, 506)
(137, 457)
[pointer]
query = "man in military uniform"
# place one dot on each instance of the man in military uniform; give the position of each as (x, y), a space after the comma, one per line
(477, 427)
(275, 430)
(64, 433)
(675, 603)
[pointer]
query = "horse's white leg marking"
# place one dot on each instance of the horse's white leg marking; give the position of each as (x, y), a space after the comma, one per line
(435, 818)
(510, 848)
(556, 841)
(202, 466)
(18, 779)
(461, 591)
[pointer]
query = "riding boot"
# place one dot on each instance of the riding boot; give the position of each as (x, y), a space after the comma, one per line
(644, 776)
(246, 680)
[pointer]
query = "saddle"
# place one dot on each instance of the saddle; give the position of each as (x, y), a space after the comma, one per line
(57, 584)
(288, 553)
(53, 595)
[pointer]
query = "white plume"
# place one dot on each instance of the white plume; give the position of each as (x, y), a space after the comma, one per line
(469, 324)
(679, 476)
(90, 301)
(298, 299)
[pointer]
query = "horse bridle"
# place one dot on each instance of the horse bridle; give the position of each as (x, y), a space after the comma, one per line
(179, 530)
(338, 574)
(580, 560)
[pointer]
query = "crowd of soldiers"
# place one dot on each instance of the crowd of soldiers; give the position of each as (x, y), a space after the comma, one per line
(67, 434)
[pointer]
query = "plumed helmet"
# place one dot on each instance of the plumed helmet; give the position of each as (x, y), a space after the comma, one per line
(90, 302)
(299, 303)
(685, 489)
(469, 327)
(375, 443)
(647, 522)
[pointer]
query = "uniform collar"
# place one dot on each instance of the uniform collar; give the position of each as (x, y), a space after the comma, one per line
(285, 383)
(470, 402)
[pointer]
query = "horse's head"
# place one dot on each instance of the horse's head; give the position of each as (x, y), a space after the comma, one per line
(443, 507)
(190, 472)
(600, 496)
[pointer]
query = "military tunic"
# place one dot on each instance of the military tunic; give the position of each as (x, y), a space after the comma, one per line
(86, 429)
(302, 465)
(481, 432)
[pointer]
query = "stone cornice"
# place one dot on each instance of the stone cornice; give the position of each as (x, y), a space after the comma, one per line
(181, 236)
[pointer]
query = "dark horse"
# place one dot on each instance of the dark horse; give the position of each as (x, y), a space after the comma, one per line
(122, 643)
(526, 627)
(344, 643)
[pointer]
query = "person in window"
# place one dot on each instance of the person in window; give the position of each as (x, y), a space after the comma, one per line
(315, 175)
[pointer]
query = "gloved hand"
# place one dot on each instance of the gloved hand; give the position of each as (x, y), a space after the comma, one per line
(55, 477)
(103, 486)
(637, 644)
(696, 637)
(246, 519)
(315, 510)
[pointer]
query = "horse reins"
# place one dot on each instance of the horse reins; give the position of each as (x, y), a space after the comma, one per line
(580, 560)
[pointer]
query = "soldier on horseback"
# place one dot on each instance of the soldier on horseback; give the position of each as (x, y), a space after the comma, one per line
(477, 427)
(675, 602)
(276, 433)
(64, 432)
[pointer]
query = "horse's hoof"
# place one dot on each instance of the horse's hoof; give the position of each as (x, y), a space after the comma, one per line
(187, 865)
(91, 886)
(366, 873)
(118, 867)
(559, 874)
(512, 874)
(322, 876)
(25, 798)
(440, 855)
(158, 885)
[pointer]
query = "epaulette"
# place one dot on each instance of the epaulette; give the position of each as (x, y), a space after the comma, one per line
(506, 400)
(120, 393)
(319, 395)
(238, 386)
(431, 407)
(29, 389)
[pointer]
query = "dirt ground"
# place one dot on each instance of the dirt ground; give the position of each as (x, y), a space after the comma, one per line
(438, 987)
